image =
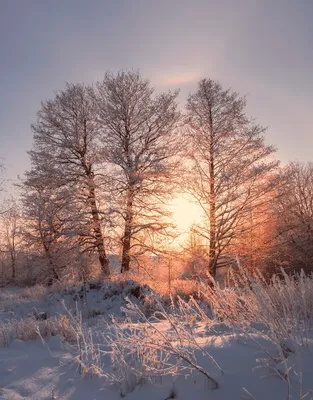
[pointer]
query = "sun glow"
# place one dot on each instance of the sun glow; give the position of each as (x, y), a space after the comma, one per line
(185, 213)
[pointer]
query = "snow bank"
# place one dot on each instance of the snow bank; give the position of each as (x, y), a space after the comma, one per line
(92, 299)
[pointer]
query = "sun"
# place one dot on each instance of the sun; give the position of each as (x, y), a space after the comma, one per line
(185, 213)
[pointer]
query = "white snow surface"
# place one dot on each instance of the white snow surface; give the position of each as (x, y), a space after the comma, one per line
(38, 371)
(48, 369)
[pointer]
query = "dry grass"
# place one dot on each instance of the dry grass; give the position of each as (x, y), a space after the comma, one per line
(163, 283)
(33, 292)
(31, 329)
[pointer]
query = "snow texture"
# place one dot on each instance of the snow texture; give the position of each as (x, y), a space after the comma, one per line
(48, 368)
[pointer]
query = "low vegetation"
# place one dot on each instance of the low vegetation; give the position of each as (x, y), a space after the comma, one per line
(135, 344)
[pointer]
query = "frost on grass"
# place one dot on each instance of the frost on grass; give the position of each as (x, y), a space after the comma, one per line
(274, 318)
(279, 312)
(92, 299)
(227, 341)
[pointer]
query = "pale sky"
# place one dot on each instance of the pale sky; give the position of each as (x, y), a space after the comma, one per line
(261, 48)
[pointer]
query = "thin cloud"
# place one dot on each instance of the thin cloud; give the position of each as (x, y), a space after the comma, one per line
(180, 79)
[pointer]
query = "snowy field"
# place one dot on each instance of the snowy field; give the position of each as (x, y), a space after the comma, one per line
(107, 341)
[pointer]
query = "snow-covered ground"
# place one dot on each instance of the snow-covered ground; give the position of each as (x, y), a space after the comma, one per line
(253, 366)
(93, 299)
(37, 370)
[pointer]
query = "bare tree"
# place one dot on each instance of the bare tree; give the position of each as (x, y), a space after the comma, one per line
(195, 254)
(294, 215)
(139, 137)
(47, 225)
(231, 164)
(254, 246)
(66, 154)
(11, 234)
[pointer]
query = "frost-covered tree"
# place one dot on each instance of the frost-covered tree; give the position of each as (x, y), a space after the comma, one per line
(139, 137)
(1, 171)
(294, 215)
(254, 246)
(10, 233)
(47, 228)
(66, 154)
(230, 162)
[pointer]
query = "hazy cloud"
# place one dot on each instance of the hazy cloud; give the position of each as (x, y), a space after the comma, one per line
(180, 78)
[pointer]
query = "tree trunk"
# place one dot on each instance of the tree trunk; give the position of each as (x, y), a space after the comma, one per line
(212, 205)
(53, 275)
(13, 269)
(52, 272)
(126, 240)
(13, 266)
(104, 262)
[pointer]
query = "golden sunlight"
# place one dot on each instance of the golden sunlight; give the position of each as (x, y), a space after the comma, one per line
(185, 213)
